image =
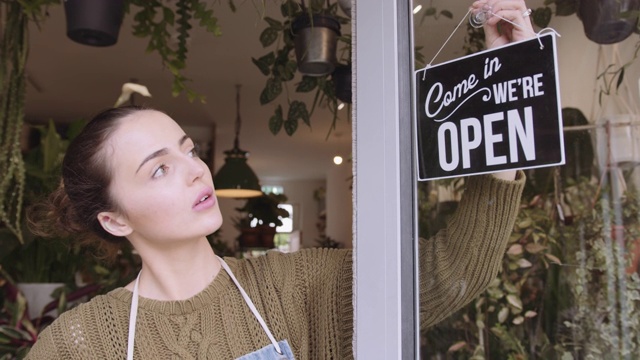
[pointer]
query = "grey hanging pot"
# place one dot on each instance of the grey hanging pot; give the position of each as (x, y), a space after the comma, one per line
(316, 41)
(342, 81)
(603, 21)
(94, 22)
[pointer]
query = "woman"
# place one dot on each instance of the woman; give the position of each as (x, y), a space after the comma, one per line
(133, 175)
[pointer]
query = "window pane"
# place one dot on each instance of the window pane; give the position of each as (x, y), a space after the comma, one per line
(569, 280)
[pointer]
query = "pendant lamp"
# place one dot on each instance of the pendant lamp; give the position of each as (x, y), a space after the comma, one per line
(235, 179)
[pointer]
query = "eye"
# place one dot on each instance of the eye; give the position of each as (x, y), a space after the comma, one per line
(195, 151)
(160, 171)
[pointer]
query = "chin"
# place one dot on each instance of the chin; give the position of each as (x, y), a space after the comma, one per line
(214, 226)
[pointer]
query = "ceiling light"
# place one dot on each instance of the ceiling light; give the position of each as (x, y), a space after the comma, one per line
(337, 160)
(235, 179)
(341, 106)
(417, 9)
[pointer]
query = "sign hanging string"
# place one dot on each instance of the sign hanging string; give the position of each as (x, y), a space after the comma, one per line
(489, 12)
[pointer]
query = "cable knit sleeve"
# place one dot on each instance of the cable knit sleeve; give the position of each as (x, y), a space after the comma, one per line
(460, 261)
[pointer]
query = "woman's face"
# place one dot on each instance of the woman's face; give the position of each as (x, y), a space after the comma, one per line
(163, 188)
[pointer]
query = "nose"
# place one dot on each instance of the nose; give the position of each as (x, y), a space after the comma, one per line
(196, 169)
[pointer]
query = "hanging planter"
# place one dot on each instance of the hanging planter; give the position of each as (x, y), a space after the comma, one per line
(342, 81)
(604, 21)
(316, 40)
(94, 22)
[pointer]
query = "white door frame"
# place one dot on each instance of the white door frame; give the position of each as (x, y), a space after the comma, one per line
(386, 316)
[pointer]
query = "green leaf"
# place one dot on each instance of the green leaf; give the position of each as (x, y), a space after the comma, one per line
(514, 301)
(289, 9)
(13, 333)
(307, 84)
(51, 147)
(264, 63)
(169, 16)
(268, 36)
(276, 121)
(275, 24)
(457, 346)
(232, 6)
(290, 126)
(286, 70)
(270, 91)
(542, 17)
(534, 248)
(620, 78)
(298, 111)
(62, 302)
(74, 129)
(430, 11)
(525, 223)
(503, 314)
(447, 14)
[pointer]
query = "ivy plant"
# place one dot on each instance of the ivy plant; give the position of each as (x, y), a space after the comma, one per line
(279, 66)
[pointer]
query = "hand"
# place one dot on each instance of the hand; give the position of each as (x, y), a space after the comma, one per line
(498, 32)
(506, 175)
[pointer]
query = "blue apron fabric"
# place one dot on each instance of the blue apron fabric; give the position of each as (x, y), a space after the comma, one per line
(269, 353)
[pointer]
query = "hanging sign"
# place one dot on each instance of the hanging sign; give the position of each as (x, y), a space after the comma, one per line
(494, 110)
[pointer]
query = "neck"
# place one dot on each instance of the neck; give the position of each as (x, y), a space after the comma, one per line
(176, 272)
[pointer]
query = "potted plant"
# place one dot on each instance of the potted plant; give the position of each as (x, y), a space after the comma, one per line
(604, 21)
(95, 22)
(261, 216)
(39, 266)
(294, 50)
(157, 21)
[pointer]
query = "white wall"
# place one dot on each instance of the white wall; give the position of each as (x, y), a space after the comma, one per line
(340, 204)
(578, 66)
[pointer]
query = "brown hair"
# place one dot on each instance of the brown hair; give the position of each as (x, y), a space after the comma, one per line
(73, 208)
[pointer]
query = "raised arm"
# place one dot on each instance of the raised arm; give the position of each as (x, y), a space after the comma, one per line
(460, 261)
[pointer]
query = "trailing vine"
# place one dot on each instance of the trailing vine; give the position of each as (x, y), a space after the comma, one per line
(155, 20)
(14, 48)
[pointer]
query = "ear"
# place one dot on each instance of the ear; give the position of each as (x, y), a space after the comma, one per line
(114, 223)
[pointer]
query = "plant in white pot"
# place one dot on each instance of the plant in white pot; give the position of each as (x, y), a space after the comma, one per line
(261, 216)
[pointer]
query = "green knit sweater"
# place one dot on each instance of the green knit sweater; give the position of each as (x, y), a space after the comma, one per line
(304, 297)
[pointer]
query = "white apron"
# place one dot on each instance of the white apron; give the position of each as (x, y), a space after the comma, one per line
(275, 351)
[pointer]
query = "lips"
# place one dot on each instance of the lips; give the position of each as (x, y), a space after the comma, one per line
(204, 200)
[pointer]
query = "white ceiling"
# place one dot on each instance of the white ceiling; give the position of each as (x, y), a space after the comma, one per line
(75, 81)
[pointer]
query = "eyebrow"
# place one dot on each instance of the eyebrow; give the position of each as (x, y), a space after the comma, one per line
(161, 152)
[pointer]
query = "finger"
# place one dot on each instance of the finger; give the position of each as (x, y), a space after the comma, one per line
(521, 25)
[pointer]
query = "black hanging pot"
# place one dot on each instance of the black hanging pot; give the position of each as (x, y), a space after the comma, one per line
(603, 21)
(94, 22)
(316, 40)
(342, 82)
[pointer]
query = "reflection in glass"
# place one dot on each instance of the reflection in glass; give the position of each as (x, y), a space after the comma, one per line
(569, 286)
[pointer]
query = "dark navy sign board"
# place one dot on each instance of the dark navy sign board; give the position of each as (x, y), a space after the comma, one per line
(490, 111)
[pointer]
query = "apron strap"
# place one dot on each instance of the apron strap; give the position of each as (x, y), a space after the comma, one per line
(134, 311)
(133, 315)
(251, 306)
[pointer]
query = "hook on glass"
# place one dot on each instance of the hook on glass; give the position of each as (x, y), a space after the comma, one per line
(477, 19)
